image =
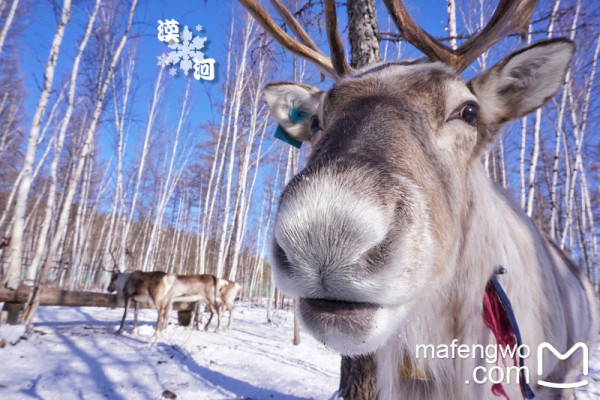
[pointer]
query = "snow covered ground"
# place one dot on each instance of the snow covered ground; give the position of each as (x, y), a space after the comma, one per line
(74, 354)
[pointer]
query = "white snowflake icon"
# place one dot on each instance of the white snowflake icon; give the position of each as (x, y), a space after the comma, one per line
(186, 50)
(199, 28)
(173, 71)
(163, 60)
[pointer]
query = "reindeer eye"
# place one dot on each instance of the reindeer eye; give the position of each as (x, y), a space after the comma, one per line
(314, 124)
(468, 112)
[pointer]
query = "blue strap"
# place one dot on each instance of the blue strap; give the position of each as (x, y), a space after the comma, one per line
(527, 391)
(296, 116)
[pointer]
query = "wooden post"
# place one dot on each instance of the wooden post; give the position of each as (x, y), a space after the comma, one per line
(184, 317)
(14, 311)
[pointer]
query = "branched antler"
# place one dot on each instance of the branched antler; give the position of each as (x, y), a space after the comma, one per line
(115, 263)
(509, 17)
(316, 57)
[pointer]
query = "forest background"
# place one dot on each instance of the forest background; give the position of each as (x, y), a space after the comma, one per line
(110, 157)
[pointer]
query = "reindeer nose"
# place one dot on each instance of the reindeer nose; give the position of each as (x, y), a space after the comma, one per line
(326, 222)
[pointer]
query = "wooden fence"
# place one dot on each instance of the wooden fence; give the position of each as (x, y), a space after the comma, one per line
(14, 300)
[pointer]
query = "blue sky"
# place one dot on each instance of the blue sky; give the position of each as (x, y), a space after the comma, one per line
(213, 15)
(41, 25)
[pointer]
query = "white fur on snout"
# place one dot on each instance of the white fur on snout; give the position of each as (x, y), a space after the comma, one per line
(325, 223)
(324, 228)
(355, 341)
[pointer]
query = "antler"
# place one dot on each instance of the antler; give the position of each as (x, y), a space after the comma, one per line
(335, 42)
(307, 50)
(115, 263)
(510, 16)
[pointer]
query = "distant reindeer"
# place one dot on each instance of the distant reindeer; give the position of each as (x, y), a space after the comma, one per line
(227, 292)
(139, 287)
(195, 289)
(392, 234)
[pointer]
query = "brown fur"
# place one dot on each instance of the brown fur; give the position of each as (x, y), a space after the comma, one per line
(227, 292)
(142, 286)
(196, 289)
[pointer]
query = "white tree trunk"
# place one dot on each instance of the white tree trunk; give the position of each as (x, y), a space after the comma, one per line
(8, 23)
(218, 161)
(451, 8)
(535, 152)
(14, 270)
(170, 181)
(156, 98)
(522, 161)
(51, 200)
(88, 144)
(237, 93)
(245, 193)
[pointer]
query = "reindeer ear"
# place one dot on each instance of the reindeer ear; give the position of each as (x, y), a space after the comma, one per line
(292, 105)
(523, 81)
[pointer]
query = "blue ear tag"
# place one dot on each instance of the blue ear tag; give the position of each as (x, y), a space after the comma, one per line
(296, 116)
(281, 135)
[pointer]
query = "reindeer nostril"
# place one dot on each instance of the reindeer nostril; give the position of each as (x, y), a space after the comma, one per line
(281, 259)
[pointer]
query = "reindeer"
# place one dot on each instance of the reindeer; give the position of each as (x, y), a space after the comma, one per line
(227, 291)
(139, 287)
(195, 289)
(392, 232)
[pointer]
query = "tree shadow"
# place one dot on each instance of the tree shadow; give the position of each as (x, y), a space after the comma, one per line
(103, 383)
(223, 383)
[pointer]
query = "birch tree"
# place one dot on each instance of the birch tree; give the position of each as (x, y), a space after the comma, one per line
(217, 162)
(14, 270)
(8, 22)
(236, 106)
(58, 147)
(171, 180)
(156, 98)
(85, 151)
(246, 189)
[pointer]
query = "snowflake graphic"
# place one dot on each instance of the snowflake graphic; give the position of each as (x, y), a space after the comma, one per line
(184, 52)
(173, 71)
(163, 60)
(199, 28)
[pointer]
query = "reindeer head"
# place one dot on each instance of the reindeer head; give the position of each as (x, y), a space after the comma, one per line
(375, 220)
(115, 273)
(112, 286)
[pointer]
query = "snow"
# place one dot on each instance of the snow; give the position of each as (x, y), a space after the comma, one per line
(73, 353)
(592, 390)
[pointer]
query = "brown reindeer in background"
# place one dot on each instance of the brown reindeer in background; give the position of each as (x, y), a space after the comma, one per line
(392, 232)
(195, 289)
(227, 291)
(139, 286)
